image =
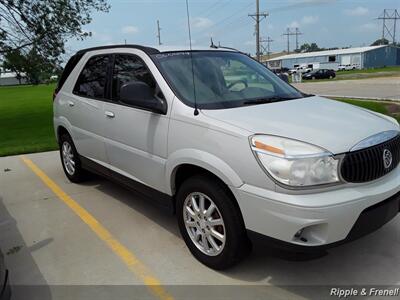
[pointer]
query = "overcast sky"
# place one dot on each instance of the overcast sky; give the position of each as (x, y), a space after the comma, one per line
(329, 23)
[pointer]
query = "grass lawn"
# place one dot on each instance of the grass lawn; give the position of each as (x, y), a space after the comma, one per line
(371, 70)
(26, 123)
(26, 119)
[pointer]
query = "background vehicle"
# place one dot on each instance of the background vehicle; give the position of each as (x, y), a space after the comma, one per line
(320, 74)
(348, 67)
(232, 149)
(5, 291)
(300, 69)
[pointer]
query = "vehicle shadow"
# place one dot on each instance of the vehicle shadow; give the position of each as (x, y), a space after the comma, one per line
(371, 260)
(140, 203)
(27, 282)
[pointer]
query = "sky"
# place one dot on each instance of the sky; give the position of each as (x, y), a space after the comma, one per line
(329, 23)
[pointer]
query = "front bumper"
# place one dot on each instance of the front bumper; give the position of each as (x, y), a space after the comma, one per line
(321, 219)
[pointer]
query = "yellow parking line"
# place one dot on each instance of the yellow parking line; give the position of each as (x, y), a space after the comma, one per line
(132, 262)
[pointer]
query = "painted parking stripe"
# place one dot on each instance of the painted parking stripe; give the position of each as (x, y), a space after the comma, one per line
(129, 258)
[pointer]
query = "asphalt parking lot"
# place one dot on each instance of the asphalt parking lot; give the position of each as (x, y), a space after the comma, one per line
(373, 88)
(96, 238)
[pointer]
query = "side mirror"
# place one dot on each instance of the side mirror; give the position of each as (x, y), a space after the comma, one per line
(139, 94)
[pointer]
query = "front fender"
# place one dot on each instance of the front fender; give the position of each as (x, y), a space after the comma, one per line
(204, 160)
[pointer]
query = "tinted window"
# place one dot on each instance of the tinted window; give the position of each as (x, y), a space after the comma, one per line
(73, 61)
(129, 68)
(92, 80)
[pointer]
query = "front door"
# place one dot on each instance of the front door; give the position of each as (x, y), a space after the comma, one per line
(135, 139)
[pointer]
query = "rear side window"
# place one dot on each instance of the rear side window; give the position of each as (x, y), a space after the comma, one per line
(92, 80)
(128, 68)
(73, 61)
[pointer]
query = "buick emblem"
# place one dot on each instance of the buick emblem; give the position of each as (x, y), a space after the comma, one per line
(387, 158)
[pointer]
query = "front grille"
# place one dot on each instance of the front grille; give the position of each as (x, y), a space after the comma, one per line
(368, 164)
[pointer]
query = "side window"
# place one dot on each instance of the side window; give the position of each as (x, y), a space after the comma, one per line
(129, 68)
(92, 80)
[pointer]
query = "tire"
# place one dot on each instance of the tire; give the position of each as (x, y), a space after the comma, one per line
(313, 78)
(236, 244)
(75, 173)
(330, 77)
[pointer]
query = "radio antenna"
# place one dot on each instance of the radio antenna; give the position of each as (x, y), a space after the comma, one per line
(196, 111)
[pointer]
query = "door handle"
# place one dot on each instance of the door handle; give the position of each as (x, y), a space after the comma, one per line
(71, 104)
(109, 114)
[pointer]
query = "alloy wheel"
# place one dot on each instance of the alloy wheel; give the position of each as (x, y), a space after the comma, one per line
(204, 223)
(68, 158)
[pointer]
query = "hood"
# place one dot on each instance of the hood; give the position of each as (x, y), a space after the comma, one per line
(332, 125)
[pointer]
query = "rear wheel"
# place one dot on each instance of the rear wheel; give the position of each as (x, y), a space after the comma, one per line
(70, 160)
(210, 223)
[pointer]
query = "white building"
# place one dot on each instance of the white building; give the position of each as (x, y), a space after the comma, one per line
(10, 78)
(364, 57)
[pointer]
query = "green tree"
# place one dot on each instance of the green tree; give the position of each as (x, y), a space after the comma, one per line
(32, 65)
(44, 24)
(14, 61)
(305, 47)
(381, 41)
(310, 47)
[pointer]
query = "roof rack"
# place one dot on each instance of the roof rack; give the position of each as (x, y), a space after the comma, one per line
(147, 50)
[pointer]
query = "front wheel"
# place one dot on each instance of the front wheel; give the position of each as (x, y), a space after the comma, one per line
(210, 223)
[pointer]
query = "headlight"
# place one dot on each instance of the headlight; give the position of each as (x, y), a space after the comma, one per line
(295, 163)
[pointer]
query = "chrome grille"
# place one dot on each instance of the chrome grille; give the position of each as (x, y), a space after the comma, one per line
(368, 164)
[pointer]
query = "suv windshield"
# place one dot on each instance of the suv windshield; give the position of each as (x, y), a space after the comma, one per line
(222, 79)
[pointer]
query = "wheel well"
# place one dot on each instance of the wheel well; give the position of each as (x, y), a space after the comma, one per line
(60, 131)
(186, 171)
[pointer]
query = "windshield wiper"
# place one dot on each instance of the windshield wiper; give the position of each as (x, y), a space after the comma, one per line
(267, 100)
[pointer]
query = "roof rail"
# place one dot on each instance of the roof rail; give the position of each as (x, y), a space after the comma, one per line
(148, 50)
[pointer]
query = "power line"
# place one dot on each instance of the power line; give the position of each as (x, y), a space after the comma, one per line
(258, 17)
(228, 17)
(220, 22)
(387, 30)
(213, 8)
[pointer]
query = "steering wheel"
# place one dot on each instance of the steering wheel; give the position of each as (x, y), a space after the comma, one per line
(236, 82)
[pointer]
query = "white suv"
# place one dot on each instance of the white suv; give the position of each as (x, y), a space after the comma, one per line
(232, 149)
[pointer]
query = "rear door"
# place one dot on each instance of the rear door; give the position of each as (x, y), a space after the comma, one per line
(135, 138)
(86, 104)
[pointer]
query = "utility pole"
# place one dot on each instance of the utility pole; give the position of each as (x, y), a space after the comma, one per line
(297, 33)
(288, 34)
(387, 30)
(159, 33)
(258, 17)
(267, 49)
